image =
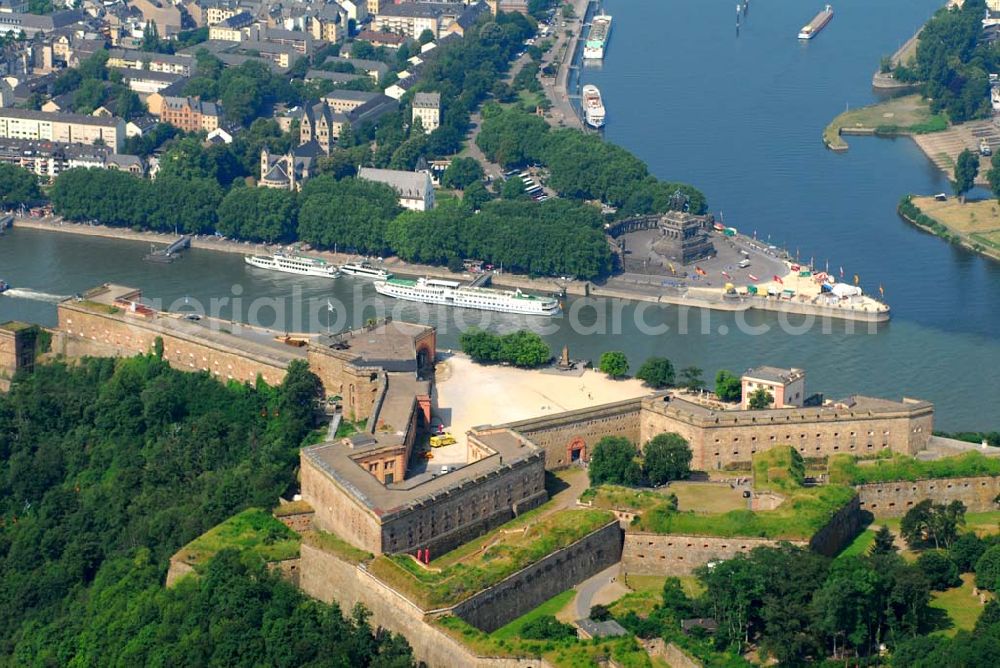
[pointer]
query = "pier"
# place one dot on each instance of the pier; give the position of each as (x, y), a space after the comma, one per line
(171, 252)
(6, 221)
(482, 280)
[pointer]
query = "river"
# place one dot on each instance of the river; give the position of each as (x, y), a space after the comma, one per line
(740, 117)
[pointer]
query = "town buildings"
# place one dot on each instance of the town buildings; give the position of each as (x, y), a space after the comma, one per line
(427, 107)
(48, 159)
(190, 114)
(64, 128)
(415, 190)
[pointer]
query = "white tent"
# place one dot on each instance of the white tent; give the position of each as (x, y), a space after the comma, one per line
(843, 290)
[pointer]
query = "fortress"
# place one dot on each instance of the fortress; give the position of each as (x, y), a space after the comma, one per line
(370, 490)
(366, 489)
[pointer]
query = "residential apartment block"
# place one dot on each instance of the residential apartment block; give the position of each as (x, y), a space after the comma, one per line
(190, 114)
(65, 128)
(49, 159)
(132, 59)
(427, 107)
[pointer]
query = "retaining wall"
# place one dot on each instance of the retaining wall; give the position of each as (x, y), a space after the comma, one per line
(330, 579)
(893, 499)
(579, 430)
(530, 587)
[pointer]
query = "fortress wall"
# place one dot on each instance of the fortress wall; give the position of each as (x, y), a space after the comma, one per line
(530, 587)
(839, 531)
(893, 499)
(674, 554)
(336, 511)
(330, 579)
(358, 386)
(580, 430)
(717, 442)
(662, 554)
(98, 334)
(441, 523)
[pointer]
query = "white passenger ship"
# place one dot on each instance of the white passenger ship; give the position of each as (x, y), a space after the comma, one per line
(593, 106)
(294, 264)
(453, 293)
(365, 270)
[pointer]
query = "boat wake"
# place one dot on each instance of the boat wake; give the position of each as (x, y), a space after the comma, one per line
(25, 293)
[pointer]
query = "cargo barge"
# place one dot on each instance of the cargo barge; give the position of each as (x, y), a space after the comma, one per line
(819, 22)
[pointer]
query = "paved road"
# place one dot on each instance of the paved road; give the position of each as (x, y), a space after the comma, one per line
(587, 589)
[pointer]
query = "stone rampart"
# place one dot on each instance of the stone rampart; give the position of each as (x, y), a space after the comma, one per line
(721, 438)
(570, 436)
(99, 334)
(893, 499)
(675, 554)
(330, 579)
(839, 531)
(530, 587)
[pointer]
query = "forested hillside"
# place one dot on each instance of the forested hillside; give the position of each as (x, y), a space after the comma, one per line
(107, 467)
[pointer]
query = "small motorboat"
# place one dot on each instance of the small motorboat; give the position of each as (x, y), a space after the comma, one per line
(4, 286)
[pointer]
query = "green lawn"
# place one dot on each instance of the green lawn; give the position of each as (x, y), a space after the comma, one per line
(860, 545)
(550, 607)
(570, 653)
(253, 530)
(961, 606)
(336, 546)
(485, 561)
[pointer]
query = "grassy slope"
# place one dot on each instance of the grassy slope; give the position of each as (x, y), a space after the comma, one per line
(252, 530)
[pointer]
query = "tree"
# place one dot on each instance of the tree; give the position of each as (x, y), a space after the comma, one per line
(426, 36)
(461, 173)
(939, 570)
(966, 550)
(613, 461)
(691, 378)
(17, 186)
(988, 569)
(993, 174)
(657, 372)
(614, 363)
(929, 522)
(521, 348)
(728, 386)
(966, 170)
(666, 457)
(258, 214)
(760, 399)
(513, 188)
(546, 627)
(884, 542)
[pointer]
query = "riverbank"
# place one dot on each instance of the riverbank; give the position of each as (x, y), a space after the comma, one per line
(805, 303)
(900, 116)
(972, 225)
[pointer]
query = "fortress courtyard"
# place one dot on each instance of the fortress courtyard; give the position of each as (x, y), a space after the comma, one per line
(467, 394)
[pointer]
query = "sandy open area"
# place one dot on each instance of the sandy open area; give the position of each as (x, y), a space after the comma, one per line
(469, 394)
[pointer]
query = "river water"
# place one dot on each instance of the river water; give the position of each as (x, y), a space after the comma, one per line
(740, 117)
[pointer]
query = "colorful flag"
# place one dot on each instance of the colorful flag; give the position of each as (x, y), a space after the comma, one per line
(778, 279)
(881, 291)
(753, 278)
(726, 275)
(842, 272)
(700, 271)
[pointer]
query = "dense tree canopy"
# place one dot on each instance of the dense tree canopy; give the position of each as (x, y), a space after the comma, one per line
(666, 457)
(952, 63)
(656, 372)
(614, 461)
(581, 165)
(259, 214)
(108, 467)
(728, 386)
(614, 363)
(17, 186)
(521, 348)
(351, 213)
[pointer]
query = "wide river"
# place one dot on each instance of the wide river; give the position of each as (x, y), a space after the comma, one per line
(740, 117)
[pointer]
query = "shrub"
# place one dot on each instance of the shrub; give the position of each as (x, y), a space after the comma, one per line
(547, 627)
(940, 571)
